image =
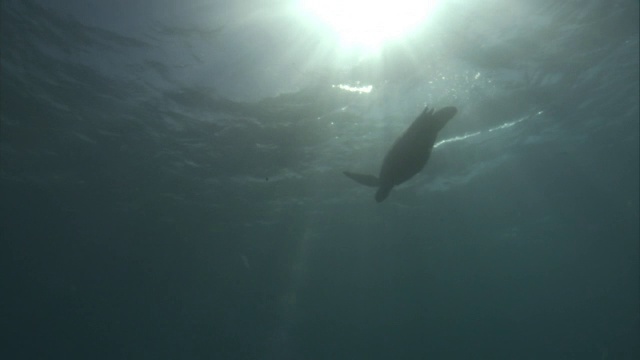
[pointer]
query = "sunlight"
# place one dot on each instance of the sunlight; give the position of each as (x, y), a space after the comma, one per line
(370, 22)
(499, 127)
(356, 89)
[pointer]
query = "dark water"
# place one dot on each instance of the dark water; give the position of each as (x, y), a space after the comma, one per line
(171, 184)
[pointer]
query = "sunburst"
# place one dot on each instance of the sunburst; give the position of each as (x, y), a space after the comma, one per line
(370, 23)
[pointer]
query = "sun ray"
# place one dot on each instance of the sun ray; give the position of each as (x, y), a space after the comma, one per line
(370, 23)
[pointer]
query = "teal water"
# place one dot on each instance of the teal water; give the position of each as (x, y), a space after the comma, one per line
(171, 183)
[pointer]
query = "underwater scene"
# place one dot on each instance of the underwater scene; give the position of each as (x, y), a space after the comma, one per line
(310, 180)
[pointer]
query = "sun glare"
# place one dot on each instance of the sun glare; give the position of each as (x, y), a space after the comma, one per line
(370, 22)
